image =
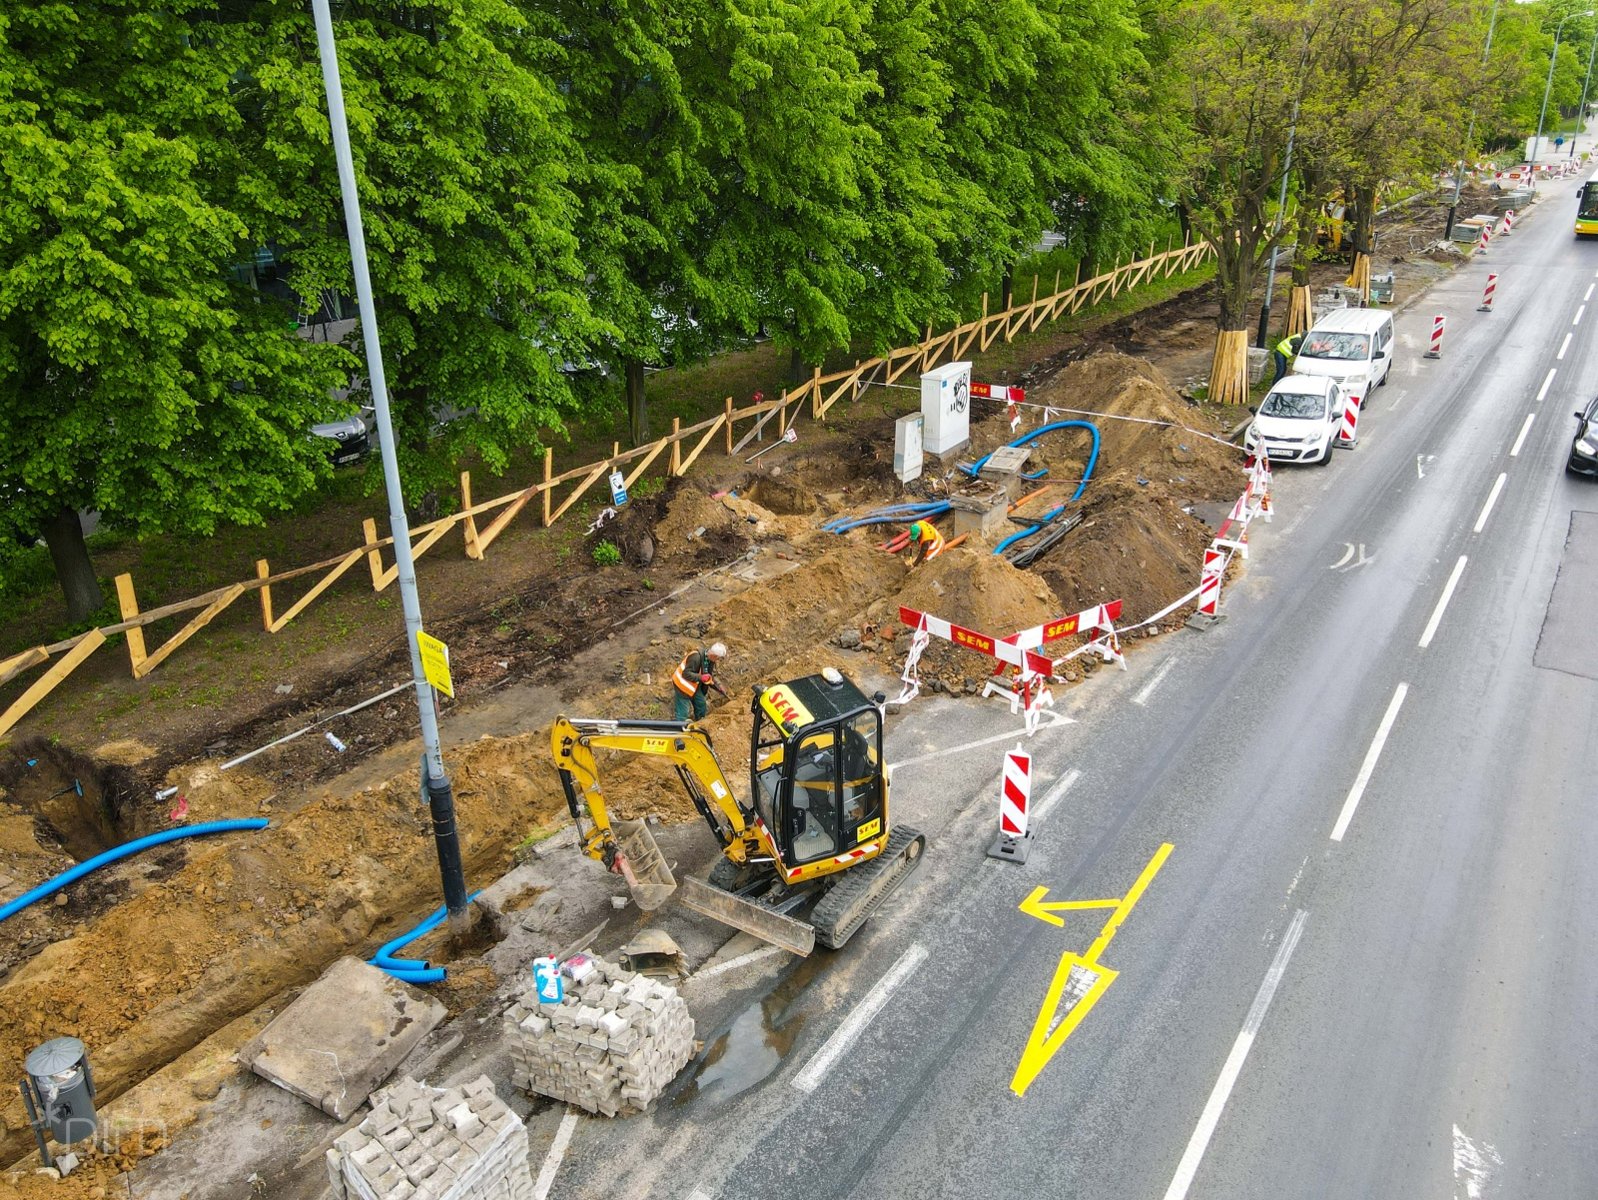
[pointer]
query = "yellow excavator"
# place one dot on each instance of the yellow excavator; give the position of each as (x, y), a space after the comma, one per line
(806, 858)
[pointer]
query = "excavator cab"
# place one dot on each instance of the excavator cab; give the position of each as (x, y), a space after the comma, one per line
(817, 777)
(813, 838)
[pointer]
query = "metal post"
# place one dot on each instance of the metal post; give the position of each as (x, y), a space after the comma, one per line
(435, 781)
(1581, 112)
(1553, 58)
(1470, 132)
(1281, 206)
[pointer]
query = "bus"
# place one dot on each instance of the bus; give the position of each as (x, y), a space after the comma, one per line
(1587, 208)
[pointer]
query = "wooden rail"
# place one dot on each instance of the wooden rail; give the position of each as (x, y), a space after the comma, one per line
(683, 446)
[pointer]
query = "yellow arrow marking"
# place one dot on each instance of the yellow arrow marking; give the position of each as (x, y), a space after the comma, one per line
(1034, 906)
(1093, 979)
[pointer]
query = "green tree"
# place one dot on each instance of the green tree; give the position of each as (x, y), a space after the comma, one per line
(464, 162)
(137, 377)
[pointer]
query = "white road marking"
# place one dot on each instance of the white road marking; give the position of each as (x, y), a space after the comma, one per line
(1543, 391)
(1395, 399)
(1155, 680)
(1473, 1165)
(1437, 613)
(855, 1024)
(1297, 875)
(1054, 793)
(1492, 499)
(1369, 765)
(557, 1151)
(1348, 547)
(743, 960)
(1524, 430)
(1565, 345)
(1414, 365)
(1588, 296)
(1211, 1116)
(1047, 719)
(1579, 311)
(699, 1194)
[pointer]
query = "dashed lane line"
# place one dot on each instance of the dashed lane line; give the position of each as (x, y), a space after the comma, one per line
(1492, 499)
(1543, 391)
(1368, 767)
(855, 1023)
(1442, 603)
(1524, 430)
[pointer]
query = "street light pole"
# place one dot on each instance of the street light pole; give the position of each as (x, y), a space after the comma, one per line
(1281, 206)
(1581, 113)
(1470, 133)
(1548, 87)
(435, 782)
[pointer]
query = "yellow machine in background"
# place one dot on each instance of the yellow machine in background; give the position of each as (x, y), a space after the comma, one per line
(806, 858)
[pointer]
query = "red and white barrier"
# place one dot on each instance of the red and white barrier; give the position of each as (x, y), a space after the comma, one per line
(1209, 598)
(1486, 304)
(1509, 221)
(1486, 236)
(1348, 435)
(1031, 669)
(1437, 337)
(1014, 842)
(998, 391)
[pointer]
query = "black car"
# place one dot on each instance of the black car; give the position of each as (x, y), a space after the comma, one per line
(1584, 450)
(349, 437)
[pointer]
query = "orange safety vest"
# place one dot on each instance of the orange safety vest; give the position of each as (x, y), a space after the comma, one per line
(688, 682)
(926, 531)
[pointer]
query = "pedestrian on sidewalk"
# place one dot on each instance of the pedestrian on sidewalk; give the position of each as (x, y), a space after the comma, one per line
(928, 541)
(693, 679)
(1286, 351)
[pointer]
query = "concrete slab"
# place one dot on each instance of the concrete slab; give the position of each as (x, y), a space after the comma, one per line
(343, 1037)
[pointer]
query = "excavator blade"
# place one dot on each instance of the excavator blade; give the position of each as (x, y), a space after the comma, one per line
(791, 934)
(645, 869)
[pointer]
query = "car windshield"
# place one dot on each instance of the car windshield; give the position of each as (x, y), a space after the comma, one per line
(1353, 347)
(1293, 404)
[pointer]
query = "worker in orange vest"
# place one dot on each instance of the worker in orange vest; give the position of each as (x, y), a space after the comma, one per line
(929, 542)
(693, 679)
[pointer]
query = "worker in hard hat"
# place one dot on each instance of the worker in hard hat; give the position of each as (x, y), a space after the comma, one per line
(693, 679)
(927, 540)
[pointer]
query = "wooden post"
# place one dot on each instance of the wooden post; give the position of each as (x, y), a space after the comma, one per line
(782, 413)
(128, 601)
(676, 447)
(374, 556)
(42, 686)
(1056, 290)
(727, 424)
(469, 524)
(549, 474)
(815, 394)
(263, 571)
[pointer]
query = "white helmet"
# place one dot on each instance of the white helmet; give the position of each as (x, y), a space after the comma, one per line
(719, 650)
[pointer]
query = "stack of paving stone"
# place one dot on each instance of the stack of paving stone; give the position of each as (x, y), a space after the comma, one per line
(427, 1143)
(611, 1046)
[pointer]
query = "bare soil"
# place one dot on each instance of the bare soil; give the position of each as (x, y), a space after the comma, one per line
(147, 958)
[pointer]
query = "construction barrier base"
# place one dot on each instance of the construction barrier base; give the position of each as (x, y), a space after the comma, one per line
(1205, 620)
(1011, 848)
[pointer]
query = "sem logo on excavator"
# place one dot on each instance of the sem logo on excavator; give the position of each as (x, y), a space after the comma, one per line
(785, 709)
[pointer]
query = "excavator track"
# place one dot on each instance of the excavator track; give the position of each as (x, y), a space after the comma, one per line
(840, 913)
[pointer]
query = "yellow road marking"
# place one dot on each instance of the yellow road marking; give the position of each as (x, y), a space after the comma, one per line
(1035, 906)
(1093, 979)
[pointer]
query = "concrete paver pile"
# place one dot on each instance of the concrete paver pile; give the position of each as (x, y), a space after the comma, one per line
(611, 1046)
(428, 1143)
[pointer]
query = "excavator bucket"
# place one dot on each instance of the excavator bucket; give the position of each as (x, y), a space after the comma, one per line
(791, 934)
(645, 869)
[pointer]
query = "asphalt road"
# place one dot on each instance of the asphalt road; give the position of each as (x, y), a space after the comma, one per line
(1363, 967)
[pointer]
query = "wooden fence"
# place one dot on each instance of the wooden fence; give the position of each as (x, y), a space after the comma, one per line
(482, 522)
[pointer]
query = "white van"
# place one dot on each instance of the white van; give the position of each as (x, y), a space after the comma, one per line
(1351, 345)
(1298, 419)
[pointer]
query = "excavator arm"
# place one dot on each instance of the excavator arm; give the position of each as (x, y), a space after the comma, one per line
(686, 746)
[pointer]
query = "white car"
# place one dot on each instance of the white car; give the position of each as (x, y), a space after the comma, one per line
(1298, 419)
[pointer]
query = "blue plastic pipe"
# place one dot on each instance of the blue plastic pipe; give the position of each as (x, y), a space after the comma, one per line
(50, 886)
(413, 970)
(1030, 529)
(1027, 438)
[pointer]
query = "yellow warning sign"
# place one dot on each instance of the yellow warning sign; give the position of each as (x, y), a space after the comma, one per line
(435, 663)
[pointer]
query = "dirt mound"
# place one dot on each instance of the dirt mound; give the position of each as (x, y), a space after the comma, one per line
(782, 496)
(247, 915)
(973, 587)
(1135, 544)
(1161, 437)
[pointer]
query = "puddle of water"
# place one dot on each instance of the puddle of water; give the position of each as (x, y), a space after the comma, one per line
(759, 1038)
